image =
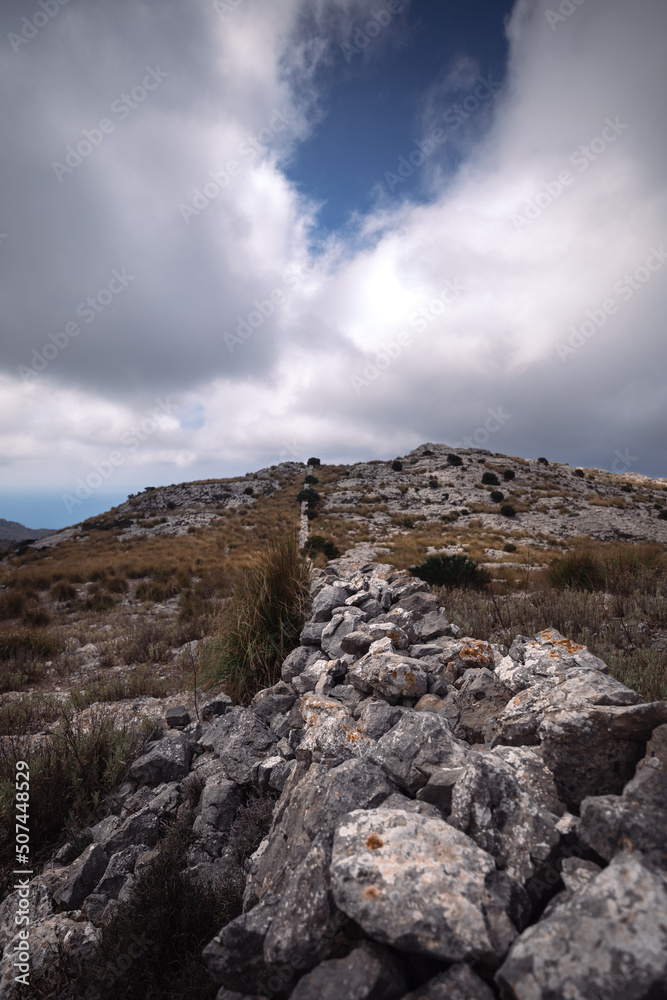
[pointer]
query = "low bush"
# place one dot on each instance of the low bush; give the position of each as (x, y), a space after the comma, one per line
(542, 461)
(63, 591)
(508, 475)
(454, 460)
(26, 643)
(509, 547)
(11, 605)
(313, 461)
(451, 571)
(261, 622)
(497, 496)
(397, 465)
(490, 479)
(576, 570)
(318, 543)
(308, 496)
(507, 510)
(580, 473)
(311, 480)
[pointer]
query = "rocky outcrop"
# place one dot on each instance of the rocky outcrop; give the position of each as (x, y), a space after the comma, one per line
(450, 821)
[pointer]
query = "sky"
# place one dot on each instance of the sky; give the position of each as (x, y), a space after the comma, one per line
(242, 232)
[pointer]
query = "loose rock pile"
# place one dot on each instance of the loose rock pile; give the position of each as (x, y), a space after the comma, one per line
(453, 822)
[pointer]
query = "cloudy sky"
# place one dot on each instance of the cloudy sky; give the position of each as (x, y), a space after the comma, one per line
(241, 232)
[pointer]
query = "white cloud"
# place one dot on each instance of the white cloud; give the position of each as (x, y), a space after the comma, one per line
(521, 286)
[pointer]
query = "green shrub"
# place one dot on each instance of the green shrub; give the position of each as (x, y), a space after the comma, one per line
(313, 461)
(433, 483)
(490, 479)
(26, 643)
(507, 510)
(311, 480)
(580, 473)
(261, 622)
(308, 496)
(99, 602)
(397, 465)
(318, 543)
(454, 460)
(626, 487)
(542, 461)
(497, 496)
(451, 571)
(508, 475)
(408, 522)
(662, 516)
(576, 570)
(509, 547)
(70, 771)
(248, 491)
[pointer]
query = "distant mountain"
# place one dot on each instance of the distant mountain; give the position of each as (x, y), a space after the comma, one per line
(12, 531)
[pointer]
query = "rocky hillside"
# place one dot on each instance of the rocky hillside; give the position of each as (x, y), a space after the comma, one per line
(12, 531)
(450, 819)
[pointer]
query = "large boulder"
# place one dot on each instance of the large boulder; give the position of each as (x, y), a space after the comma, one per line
(607, 940)
(636, 820)
(419, 885)
(369, 972)
(83, 876)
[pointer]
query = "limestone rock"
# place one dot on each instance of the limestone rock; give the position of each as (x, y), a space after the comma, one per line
(419, 885)
(369, 972)
(389, 674)
(273, 701)
(83, 876)
(459, 982)
(636, 820)
(419, 744)
(241, 740)
(169, 760)
(608, 939)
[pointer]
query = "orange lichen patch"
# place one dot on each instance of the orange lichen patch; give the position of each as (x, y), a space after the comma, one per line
(373, 843)
(476, 651)
(563, 644)
(371, 892)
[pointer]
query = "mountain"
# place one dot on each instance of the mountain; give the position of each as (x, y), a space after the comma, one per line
(12, 531)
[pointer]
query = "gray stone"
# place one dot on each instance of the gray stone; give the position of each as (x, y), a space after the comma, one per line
(241, 740)
(390, 674)
(378, 718)
(93, 907)
(490, 806)
(458, 982)
(371, 608)
(140, 828)
(656, 751)
(308, 678)
(218, 705)
(336, 630)
(407, 621)
(235, 956)
(103, 830)
(169, 760)
(40, 907)
(219, 802)
(83, 876)
(421, 649)
(357, 642)
(533, 776)
(166, 800)
(273, 701)
(328, 599)
(120, 866)
(439, 787)
(54, 940)
(636, 820)
(297, 661)
(419, 744)
(311, 633)
(421, 601)
(577, 873)
(369, 972)
(330, 729)
(419, 885)
(607, 940)
(176, 717)
(304, 923)
(432, 626)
